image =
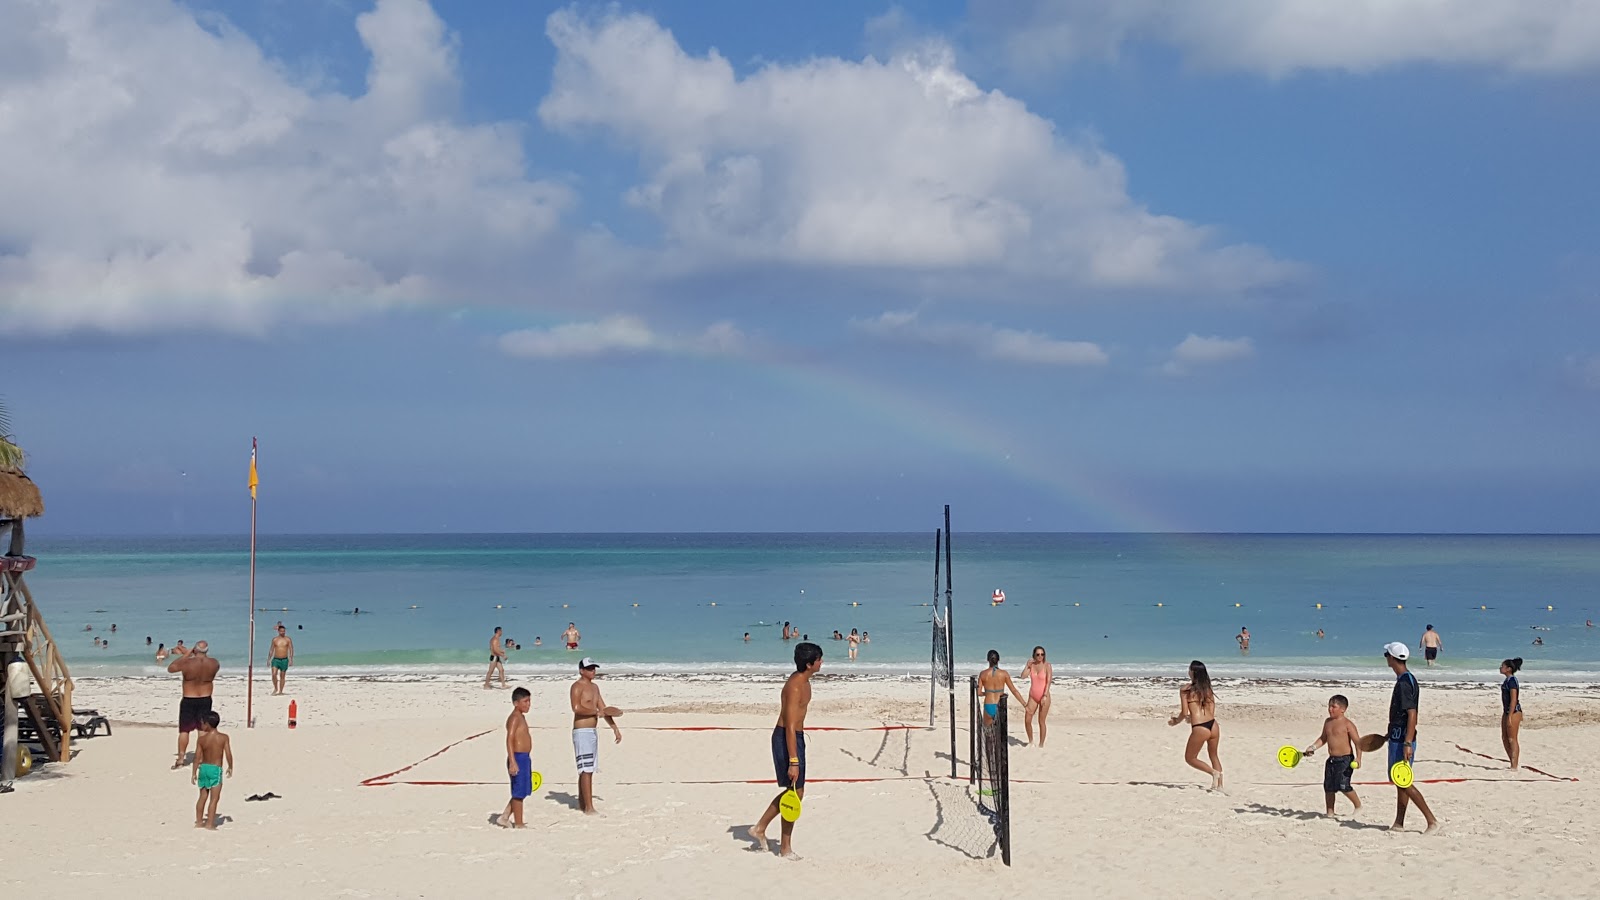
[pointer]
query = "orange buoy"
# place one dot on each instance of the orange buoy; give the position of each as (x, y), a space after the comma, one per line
(294, 709)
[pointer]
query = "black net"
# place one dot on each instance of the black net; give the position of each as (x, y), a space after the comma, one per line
(941, 650)
(991, 769)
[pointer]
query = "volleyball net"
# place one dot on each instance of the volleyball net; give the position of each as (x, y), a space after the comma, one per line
(990, 772)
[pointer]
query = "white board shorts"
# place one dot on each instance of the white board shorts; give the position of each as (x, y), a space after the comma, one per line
(586, 749)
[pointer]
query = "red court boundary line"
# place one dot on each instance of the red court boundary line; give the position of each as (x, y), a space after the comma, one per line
(376, 780)
(771, 781)
(1498, 759)
(762, 728)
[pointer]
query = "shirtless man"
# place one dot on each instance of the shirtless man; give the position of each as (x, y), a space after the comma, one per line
(789, 744)
(1431, 642)
(282, 659)
(199, 672)
(587, 708)
(179, 649)
(571, 636)
(497, 659)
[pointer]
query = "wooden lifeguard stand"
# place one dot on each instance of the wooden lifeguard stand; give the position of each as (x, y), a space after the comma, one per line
(23, 633)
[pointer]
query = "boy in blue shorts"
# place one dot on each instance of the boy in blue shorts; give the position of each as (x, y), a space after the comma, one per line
(1403, 733)
(519, 757)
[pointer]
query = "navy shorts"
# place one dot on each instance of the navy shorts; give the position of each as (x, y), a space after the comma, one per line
(780, 757)
(522, 782)
(1336, 774)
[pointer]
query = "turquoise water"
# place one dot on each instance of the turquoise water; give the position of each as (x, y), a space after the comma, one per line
(1091, 599)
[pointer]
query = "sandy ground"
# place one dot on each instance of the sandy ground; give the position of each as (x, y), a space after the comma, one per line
(1107, 809)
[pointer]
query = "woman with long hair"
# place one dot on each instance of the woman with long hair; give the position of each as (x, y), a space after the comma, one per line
(1198, 704)
(1039, 674)
(993, 682)
(1511, 710)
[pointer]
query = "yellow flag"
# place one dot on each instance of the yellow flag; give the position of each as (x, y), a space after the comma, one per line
(253, 479)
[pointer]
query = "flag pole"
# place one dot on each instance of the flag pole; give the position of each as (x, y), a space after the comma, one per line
(250, 676)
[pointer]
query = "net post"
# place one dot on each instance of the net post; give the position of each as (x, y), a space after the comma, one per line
(950, 637)
(933, 665)
(1002, 782)
(973, 763)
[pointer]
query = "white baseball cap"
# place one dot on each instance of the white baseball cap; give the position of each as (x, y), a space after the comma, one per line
(588, 663)
(1397, 650)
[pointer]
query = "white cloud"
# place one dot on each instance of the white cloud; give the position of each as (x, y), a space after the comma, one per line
(1279, 37)
(159, 174)
(904, 164)
(1195, 352)
(621, 335)
(984, 341)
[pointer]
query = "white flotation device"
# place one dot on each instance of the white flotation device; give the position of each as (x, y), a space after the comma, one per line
(998, 597)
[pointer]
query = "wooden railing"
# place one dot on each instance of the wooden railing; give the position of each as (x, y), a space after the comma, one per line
(38, 649)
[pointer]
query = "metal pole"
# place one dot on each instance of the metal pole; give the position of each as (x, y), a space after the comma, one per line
(933, 664)
(250, 673)
(950, 637)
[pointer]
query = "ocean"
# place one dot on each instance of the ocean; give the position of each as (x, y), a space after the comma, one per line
(1103, 604)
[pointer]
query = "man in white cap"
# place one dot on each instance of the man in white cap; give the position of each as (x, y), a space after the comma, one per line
(587, 709)
(1403, 733)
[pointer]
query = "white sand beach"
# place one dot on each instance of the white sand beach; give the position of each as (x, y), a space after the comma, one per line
(1108, 808)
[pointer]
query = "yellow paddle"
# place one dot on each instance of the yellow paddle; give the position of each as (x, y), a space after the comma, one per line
(1288, 757)
(789, 806)
(1400, 774)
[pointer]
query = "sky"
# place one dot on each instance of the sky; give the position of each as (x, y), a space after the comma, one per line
(1247, 265)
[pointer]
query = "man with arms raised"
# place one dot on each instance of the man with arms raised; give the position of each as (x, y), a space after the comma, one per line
(282, 659)
(199, 673)
(587, 709)
(789, 743)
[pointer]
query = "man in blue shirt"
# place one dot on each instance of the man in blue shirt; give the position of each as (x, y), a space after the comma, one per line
(1403, 733)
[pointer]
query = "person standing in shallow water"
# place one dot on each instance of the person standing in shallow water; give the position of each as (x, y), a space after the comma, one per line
(1197, 703)
(1243, 637)
(1431, 642)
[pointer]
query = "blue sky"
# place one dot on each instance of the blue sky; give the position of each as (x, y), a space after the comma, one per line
(734, 266)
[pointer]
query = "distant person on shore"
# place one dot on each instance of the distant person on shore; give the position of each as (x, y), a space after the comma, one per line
(1344, 752)
(519, 757)
(199, 673)
(1243, 637)
(1511, 711)
(789, 745)
(1197, 703)
(1402, 733)
(587, 709)
(282, 658)
(993, 682)
(855, 644)
(497, 659)
(571, 636)
(1431, 642)
(1039, 675)
(211, 750)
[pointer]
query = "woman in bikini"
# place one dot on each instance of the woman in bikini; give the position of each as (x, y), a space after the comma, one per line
(1198, 704)
(1039, 674)
(992, 684)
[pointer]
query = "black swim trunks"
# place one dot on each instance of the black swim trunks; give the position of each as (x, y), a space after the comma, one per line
(1336, 774)
(191, 711)
(780, 757)
(1430, 652)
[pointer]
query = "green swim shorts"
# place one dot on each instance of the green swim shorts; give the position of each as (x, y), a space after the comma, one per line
(210, 776)
(281, 663)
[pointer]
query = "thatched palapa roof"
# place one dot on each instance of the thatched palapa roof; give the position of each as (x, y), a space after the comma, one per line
(19, 497)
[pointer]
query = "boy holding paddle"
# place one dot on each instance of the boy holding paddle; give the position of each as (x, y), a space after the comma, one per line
(789, 743)
(1344, 752)
(1403, 733)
